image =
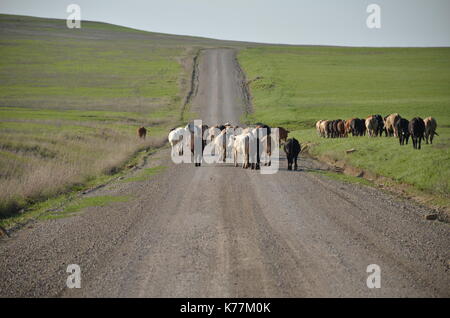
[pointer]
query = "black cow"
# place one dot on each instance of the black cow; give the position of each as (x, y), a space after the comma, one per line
(357, 127)
(401, 126)
(292, 149)
(416, 128)
(335, 128)
(380, 127)
(330, 128)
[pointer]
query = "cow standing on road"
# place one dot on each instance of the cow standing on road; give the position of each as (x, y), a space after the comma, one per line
(292, 148)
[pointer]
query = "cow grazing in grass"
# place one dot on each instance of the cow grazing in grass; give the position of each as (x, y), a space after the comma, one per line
(292, 149)
(319, 132)
(357, 127)
(389, 124)
(380, 125)
(347, 126)
(416, 129)
(323, 128)
(330, 129)
(335, 130)
(401, 126)
(142, 132)
(340, 126)
(430, 129)
(371, 126)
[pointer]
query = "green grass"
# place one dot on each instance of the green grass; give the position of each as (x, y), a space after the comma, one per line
(80, 204)
(296, 86)
(71, 101)
(341, 177)
(145, 174)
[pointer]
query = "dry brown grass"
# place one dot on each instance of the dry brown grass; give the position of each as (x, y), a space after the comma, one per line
(33, 168)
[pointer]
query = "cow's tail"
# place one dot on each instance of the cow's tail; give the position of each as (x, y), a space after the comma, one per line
(436, 133)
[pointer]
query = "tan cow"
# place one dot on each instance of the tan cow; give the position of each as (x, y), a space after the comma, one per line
(390, 124)
(371, 126)
(319, 132)
(323, 128)
(430, 129)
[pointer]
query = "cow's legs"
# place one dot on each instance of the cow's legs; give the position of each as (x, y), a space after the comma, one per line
(295, 163)
(289, 163)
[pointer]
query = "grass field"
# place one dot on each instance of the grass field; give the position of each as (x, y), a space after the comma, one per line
(71, 101)
(296, 86)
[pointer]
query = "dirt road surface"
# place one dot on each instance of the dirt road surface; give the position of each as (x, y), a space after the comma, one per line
(221, 231)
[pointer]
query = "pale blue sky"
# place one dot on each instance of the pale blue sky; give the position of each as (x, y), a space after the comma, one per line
(324, 22)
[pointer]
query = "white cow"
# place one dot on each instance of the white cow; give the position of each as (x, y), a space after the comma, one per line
(220, 144)
(175, 139)
(240, 145)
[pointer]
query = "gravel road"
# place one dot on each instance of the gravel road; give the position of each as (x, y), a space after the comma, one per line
(221, 231)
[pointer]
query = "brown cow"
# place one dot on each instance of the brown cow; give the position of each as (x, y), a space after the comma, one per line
(142, 132)
(347, 125)
(283, 134)
(340, 128)
(430, 129)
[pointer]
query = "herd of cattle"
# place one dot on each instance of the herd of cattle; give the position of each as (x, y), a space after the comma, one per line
(376, 125)
(251, 146)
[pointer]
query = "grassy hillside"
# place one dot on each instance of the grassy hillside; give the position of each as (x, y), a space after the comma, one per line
(71, 101)
(296, 86)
